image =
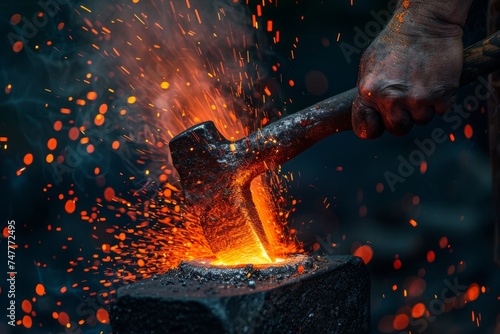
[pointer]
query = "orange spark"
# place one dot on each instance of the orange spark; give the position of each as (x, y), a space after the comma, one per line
(40, 289)
(28, 159)
(365, 252)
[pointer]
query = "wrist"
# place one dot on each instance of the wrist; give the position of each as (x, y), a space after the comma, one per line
(444, 11)
(423, 18)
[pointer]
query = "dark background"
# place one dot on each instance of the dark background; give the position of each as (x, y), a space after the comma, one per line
(336, 205)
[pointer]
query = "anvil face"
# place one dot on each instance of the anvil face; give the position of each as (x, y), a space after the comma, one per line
(327, 295)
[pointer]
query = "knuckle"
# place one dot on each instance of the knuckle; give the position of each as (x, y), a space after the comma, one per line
(380, 93)
(424, 96)
(398, 122)
(394, 92)
(368, 88)
(442, 93)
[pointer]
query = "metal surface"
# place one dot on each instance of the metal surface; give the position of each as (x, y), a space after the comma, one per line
(329, 296)
(216, 173)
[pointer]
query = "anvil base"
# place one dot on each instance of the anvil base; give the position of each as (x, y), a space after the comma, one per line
(325, 295)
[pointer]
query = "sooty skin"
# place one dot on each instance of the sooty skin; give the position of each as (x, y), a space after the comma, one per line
(412, 69)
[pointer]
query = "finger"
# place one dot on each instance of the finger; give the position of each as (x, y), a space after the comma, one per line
(422, 115)
(366, 122)
(445, 105)
(397, 120)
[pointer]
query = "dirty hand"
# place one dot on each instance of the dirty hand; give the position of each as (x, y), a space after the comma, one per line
(409, 72)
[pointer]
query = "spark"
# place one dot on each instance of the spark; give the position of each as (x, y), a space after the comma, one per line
(85, 8)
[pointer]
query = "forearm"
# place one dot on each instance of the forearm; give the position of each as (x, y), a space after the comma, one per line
(439, 16)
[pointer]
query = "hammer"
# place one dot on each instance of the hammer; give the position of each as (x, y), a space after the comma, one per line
(216, 173)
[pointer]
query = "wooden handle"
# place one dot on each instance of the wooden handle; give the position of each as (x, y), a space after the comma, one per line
(481, 58)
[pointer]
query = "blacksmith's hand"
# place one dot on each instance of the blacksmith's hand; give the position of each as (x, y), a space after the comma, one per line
(412, 69)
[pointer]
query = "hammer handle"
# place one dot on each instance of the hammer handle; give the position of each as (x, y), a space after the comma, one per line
(286, 138)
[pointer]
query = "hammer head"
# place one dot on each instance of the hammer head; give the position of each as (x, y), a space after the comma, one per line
(216, 184)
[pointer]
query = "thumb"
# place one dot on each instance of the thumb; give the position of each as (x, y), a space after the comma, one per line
(366, 122)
